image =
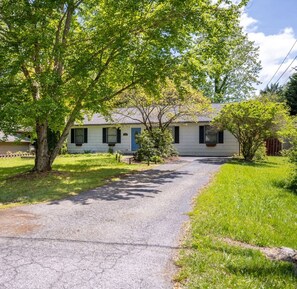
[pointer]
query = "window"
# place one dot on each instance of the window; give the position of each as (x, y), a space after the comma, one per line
(209, 135)
(111, 135)
(79, 135)
(175, 133)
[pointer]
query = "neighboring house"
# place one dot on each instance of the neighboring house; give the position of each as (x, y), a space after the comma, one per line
(13, 143)
(190, 138)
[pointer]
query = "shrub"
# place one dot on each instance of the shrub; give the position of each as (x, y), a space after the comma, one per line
(64, 149)
(292, 154)
(155, 145)
(261, 153)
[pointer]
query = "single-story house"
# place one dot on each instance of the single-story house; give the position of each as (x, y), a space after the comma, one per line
(14, 143)
(190, 138)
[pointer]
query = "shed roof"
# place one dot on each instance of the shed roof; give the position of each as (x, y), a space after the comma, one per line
(13, 138)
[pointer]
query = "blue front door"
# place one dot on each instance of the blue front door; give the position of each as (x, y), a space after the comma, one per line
(134, 133)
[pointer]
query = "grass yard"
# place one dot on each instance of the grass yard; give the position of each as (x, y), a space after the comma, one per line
(71, 174)
(247, 203)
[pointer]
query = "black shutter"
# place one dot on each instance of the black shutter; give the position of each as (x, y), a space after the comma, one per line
(221, 136)
(85, 135)
(176, 134)
(104, 135)
(201, 134)
(118, 135)
(72, 135)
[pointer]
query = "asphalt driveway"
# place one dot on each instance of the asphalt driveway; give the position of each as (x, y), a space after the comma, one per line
(120, 236)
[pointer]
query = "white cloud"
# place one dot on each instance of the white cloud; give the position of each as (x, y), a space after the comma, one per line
(272, 50)
(248, 23)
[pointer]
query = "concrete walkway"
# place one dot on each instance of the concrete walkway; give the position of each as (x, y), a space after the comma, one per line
(120, 236)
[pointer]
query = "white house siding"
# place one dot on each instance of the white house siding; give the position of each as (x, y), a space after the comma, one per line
(95, 143)
(188, 137)
(189, 143)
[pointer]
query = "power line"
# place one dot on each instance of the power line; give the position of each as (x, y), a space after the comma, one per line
(286, 69)
(287, 80)
(289, 76)
(282, 62)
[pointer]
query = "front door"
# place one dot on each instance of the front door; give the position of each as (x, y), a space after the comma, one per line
(134, 132)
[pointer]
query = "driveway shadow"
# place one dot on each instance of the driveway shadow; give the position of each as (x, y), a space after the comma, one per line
(143, 184)
(212, 160)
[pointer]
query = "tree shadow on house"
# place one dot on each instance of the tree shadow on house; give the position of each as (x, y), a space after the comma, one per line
(145, 184)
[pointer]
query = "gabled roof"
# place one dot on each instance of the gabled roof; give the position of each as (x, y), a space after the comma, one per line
(132, 116)
(13, 138)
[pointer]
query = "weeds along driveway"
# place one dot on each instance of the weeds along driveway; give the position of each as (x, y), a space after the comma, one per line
(120, 236)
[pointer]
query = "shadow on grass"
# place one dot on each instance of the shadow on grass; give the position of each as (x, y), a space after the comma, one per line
(14, 171)
(242, 162)
(143, 184)
(82, 164)
(27, 188)
(258, 270)
(283, 270)
(285, 185)
(81, 175)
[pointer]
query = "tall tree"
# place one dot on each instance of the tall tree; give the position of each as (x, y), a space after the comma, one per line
(62, 58)
(273, 88)
(290, 93)
(273, 92)
(231, 70)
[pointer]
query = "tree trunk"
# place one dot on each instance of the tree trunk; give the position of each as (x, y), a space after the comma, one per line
(42, 158)
(62, 139)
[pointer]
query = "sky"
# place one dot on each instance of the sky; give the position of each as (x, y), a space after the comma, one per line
(272, 25)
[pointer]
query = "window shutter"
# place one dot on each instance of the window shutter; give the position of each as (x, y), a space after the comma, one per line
(72, 135)
(201, 134)
(118, 135)
(221, 136)
(176, 134)
(85, 135)
(104, 135)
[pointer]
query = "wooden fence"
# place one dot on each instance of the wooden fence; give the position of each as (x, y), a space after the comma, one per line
(273, 147)
(14, 155)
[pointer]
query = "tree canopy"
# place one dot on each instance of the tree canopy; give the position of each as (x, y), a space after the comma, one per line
(252, 122)
(290, 93)
(273, 92)
(61, 59)
(225, 66)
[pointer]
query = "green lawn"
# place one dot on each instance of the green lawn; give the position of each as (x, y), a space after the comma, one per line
(71, 174)
(244, 202)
